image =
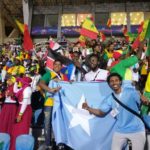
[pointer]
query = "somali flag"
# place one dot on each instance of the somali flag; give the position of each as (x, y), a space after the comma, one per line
(73, 125)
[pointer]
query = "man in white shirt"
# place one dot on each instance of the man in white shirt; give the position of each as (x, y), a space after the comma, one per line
(95, 73)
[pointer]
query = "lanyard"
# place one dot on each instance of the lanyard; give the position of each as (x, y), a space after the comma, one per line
(119, 97)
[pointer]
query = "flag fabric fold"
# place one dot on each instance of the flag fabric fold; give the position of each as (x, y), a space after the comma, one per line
(125, 31)
(54, 45)
(49, 63)
(76, 127)
(131, 36)
(148, 48)
(27, 41)
(20, 26)
(140, 28)
(52, 56)
(102, 35)
(136, 43)
(69, 71)
(145, 30)
(82, 40)
(109, 22)
(88, 29)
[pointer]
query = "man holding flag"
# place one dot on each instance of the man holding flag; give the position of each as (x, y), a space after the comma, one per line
(125, 128)
(49, 101)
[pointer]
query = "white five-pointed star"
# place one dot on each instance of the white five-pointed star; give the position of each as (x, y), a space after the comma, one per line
(80, 116)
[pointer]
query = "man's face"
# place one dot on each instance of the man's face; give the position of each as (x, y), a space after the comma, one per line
(93, 63)
(76, 57)
(111, 47)
(115, 83)
(97, 49)
(57, 66)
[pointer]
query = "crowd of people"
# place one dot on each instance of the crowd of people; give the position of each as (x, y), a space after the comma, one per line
(24, 80)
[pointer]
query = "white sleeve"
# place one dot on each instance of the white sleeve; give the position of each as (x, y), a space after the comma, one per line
(109, 62)
(26, 99)
(3, 75)
(15, 88)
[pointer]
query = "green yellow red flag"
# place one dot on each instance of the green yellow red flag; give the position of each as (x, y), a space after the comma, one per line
(88, 29)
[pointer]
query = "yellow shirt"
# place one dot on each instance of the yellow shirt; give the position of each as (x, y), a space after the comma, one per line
(147, 84)
(144, 70)
(109, 54)
(128, 74)
(49, 102)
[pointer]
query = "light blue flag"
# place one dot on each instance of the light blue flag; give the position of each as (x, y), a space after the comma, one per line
(73, 125)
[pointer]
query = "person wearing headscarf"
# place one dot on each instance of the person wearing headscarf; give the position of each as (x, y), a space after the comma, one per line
(17, 69)
(9, 109)
(24, 111)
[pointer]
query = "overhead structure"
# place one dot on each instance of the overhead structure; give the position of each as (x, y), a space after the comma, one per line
(29, 10)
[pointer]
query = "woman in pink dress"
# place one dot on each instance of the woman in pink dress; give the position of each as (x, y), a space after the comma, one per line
(9, 108)
(24, 112)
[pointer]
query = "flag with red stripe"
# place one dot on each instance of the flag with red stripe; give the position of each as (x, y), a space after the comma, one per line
(88, 29)
(53, 45)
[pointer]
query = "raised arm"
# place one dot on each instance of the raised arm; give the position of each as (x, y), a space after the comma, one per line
(96, 112)
(139, 51)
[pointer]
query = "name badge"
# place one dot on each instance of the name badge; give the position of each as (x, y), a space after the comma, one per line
(114, 112)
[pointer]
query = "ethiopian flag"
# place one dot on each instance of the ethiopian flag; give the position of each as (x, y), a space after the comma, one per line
(145, 31)
(88, 29)
(82, 40)
(136, 43)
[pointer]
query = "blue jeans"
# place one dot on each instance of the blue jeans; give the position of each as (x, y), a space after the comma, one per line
(48, 124)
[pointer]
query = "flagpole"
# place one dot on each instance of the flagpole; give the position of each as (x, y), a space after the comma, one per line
(109, 25)
(111, 32)
(148, 47)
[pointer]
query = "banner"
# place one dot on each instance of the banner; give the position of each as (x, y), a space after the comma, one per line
(75, 30)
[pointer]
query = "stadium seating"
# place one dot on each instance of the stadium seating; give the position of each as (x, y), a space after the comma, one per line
(25, 142)
(5, 141)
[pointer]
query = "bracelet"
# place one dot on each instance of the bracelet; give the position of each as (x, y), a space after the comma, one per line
(20, 114)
